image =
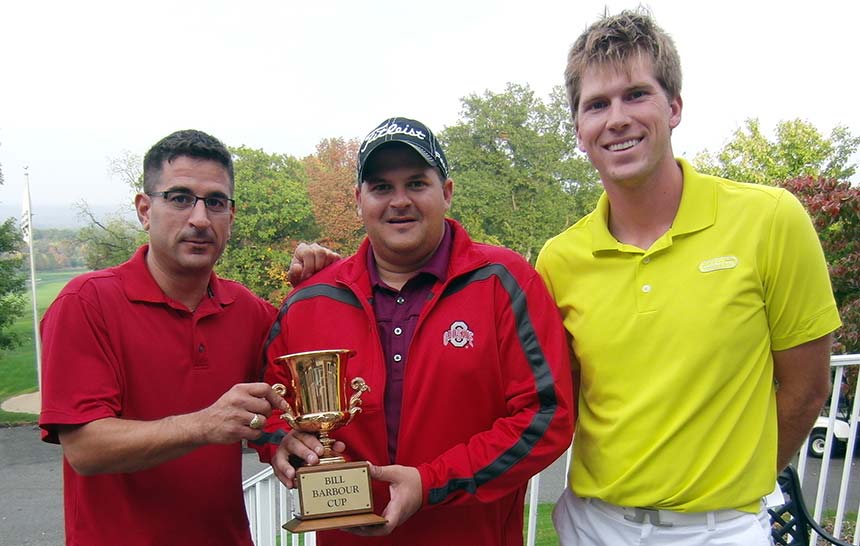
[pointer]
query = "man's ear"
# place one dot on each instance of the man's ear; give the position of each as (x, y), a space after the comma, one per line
(230, 224)
(675, 107)
(448, 192)
(358, 199)
(578, 139)
(143, 206)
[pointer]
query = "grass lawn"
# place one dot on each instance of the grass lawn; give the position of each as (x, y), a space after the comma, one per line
(544, 531)
(848, 524)
(18, 366)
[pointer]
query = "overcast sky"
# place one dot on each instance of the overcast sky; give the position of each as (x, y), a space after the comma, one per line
(83, 81)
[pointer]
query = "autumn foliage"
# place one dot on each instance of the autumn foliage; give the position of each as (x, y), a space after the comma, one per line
(835, 210)
(331, 176)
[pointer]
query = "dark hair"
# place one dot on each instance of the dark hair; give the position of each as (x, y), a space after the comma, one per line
(617, 39)
(187, 143)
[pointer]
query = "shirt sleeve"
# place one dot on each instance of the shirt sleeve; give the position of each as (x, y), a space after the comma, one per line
(273, 373)
(80, 373)
(538, 426)
(798, 294)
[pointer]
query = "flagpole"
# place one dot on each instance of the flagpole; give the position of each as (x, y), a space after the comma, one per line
(27, 228)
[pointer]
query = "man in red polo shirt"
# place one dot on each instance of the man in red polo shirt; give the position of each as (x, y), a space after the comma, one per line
(460, 344)
(148, 367)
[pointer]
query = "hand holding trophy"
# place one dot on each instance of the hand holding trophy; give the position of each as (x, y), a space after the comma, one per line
(334, 494)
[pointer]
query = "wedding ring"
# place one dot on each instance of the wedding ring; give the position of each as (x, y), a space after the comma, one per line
(257, 421)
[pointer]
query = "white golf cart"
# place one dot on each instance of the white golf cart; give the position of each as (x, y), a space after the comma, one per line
(818, 435)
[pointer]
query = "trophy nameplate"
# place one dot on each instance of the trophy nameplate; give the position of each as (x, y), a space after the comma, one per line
(334, 494)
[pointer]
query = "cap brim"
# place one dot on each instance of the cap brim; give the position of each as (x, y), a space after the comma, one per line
(421, 151)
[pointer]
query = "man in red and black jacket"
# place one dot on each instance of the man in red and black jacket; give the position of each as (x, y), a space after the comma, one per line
(461, 345)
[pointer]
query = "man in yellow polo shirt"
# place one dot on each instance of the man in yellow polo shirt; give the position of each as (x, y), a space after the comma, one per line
(700, 313)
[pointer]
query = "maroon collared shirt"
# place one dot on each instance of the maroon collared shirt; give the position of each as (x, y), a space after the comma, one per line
(396, 317)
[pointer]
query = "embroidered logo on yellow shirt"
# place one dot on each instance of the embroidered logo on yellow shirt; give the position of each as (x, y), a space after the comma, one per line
(716, 264)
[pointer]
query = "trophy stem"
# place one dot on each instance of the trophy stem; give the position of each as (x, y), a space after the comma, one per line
(329, 456)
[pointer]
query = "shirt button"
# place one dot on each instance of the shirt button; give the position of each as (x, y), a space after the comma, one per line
(398, 331)
(201, 348)
(646, 260)
(400, 300)
(646, 288)
(398, 358)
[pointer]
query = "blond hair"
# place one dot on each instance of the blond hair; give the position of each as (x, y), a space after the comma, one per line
(615, 40)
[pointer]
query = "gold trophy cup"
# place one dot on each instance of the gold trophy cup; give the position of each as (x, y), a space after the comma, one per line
(334, 494)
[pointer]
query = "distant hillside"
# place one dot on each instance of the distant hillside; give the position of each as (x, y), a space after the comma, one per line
(58, 216)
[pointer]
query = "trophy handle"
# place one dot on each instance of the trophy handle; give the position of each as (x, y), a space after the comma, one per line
(288, 414)
(359, 386)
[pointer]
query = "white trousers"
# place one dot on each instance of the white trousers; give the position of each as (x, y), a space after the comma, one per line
(581, 522)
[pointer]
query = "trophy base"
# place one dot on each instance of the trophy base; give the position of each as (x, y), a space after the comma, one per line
(332, 496)
(296, 525)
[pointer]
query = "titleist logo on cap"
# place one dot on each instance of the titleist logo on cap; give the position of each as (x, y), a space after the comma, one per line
(391, 129)
(407, 131)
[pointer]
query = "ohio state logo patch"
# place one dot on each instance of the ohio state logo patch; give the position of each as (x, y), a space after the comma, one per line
(458, 335)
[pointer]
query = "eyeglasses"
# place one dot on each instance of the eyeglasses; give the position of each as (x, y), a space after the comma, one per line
(182, 200)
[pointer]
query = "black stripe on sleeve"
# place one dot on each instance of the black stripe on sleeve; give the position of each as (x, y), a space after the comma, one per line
(318, 290)
(543, 380)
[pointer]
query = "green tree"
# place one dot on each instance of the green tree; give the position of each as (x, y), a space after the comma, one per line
(111, 240)
(799, 150)
(12, 281)
(108, 241)
(273, 213)
(519, 178)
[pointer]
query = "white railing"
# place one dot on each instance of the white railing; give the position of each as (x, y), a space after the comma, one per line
(267, 501)
(840, 365)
